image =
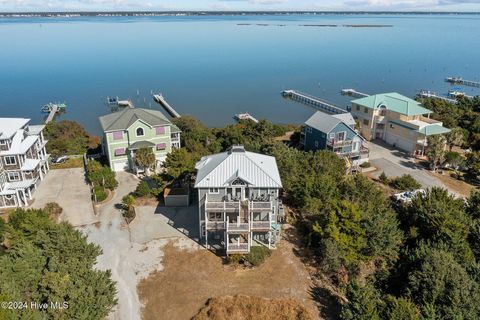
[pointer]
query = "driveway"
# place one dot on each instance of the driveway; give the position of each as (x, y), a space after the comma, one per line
(396, 163)
(132, 252)
(68, 188)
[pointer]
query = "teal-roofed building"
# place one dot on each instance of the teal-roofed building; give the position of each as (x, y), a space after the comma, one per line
(397, 120)
(131, 129)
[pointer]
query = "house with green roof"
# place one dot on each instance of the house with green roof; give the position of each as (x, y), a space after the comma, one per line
(397, 120)
(131, 129)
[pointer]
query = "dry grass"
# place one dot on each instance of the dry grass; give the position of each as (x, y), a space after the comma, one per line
(243, 307)
(191, 278)
(460, 187)
(70, 163)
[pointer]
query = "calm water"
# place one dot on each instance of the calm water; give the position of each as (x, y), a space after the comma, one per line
(211, 67)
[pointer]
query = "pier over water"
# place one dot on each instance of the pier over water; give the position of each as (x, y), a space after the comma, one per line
(161, 101)
(460, 80)
(314, 102)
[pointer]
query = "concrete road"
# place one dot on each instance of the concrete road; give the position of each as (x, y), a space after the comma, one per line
(396, 163)
(68, 188)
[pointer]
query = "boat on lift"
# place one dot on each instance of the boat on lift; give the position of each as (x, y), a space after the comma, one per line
(245, 116)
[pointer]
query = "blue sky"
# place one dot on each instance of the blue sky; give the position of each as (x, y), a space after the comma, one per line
(369, 5)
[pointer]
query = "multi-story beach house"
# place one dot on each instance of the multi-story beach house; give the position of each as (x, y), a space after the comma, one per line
(131, 129)
(335, 133)
(23, 161)
(239, 205)
(397, 120)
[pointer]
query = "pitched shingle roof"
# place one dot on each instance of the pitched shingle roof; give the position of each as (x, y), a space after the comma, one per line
(393, 101)
(220, 169)
(122, 120)
(322, 122)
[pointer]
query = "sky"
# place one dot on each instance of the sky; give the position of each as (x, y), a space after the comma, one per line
(260, 5)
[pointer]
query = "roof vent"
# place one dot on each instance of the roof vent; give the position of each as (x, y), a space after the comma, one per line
(237, 149)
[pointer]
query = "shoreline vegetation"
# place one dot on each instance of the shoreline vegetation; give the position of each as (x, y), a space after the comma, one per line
(71, 14)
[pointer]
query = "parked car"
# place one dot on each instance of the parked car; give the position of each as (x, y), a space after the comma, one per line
(407, 196)
(61, 159)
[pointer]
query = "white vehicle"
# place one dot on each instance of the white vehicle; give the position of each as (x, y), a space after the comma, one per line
(407, 196)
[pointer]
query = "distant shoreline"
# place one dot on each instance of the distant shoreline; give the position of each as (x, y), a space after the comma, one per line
(211, 13)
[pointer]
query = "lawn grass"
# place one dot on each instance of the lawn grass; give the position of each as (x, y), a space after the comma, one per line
(70, 163)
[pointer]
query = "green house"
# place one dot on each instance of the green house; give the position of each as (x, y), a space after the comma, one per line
(131, 129)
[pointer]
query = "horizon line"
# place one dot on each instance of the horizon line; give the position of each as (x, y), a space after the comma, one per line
(240, 11)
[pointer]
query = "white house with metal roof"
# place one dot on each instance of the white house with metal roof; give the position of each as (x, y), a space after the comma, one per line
(23, 161)
(131, 129)
(399, 121)
(239, 203)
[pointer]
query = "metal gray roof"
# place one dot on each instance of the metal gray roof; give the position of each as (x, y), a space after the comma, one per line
(346, 117)
(322, 122)
(122, 120)
(221, 169)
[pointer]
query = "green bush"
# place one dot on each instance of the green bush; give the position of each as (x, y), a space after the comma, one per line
(100, 193)
(383, 178)
(257, 255)
(405, 183)
(100, 175)
(143, 189)
(365, 165)
(235, 258)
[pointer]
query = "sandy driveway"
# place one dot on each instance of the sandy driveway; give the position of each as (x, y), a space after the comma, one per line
(130, 256)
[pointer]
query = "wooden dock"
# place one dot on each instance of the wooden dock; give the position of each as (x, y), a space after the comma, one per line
(354, 93)
(51, 115)
(461, 81)
(314, 102)
(431, 94)
(158, 98)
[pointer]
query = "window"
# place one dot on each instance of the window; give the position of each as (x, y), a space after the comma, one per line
(120, 152)
(160, 130)
(10, 160)
(332, 135)
(213, 191)
(309, 129)
(316, 144)
(14, 176)
(341, 136)
(3, 142)
(140, 132)
(365, 122)
(215, 216)
(161, 146)
(365, 110)
(118, 135)
(358, 107)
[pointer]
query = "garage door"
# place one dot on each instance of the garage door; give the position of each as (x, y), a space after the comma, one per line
(120, 166)
(399, 142)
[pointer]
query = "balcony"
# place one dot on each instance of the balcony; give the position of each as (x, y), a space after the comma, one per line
(261, 225)
(238, 227)
(337, 144)
(222, 206)
(216, 225)
(256, 206)
(237, 248)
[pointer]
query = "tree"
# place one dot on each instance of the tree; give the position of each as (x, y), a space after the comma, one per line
(100, 175)
(180, 162)
(401, 309)
(473, 165)
(68, 137)
(47, 262)
(405, 183)
(439, 283)
(364, 303)
(436, 150)
(145, 158)
(455, 137)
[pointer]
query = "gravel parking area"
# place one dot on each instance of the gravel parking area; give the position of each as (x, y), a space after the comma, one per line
(68, 188)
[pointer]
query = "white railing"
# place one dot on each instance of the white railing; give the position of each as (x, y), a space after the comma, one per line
(261, 225)
(222, 206)
(259, 206)
(241, 247)
(216, 225)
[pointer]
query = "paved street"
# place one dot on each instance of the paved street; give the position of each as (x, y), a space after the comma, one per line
(396, 163)
(68, 188)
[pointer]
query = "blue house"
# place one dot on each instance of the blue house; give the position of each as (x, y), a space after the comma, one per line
(336, 133)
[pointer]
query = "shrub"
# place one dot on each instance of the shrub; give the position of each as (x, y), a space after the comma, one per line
(257, 255)
(100, 175)
(365, 165)
(235, 258)
(128, 209)
(143, 189)
(383, 178)
(405, 183)
(100, 193)
(53, 209)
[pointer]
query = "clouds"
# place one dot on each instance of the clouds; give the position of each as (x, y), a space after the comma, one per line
(351, 5)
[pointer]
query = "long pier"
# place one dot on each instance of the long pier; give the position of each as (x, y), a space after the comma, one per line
(312, 101)
(161, 101)
(458, 94)
(431, 94)
(459, 80)
(51, 115)
(354, 93)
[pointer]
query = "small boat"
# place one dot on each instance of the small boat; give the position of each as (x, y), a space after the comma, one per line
(125, 103)
(245, 116)
(112, 101)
